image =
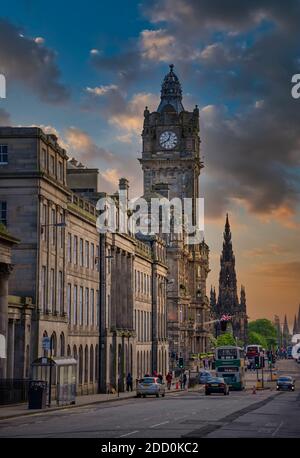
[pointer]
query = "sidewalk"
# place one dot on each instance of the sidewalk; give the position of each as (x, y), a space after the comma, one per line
(20, 410)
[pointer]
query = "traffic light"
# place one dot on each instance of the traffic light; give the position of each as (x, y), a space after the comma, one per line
(180, 363)
(262, 361)
(256, 362)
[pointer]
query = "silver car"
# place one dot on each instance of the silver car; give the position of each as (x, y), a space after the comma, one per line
(150, 386)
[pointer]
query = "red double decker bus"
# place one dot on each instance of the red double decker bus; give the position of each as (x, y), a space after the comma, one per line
(253, 350)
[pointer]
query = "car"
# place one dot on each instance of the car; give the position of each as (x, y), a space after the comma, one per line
(204, 376)
(285, 382)
(216, 385)
(298, 360)
(150, 386)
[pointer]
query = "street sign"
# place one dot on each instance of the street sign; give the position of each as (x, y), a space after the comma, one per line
(46, 343)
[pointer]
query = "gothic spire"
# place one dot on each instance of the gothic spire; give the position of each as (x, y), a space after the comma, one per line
(243, 299)
(171, 93)
(295, 327)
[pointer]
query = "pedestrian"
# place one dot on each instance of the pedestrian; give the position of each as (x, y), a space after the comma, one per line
(154, 373)
(184, 379)
(129, 382)
(169, 380)
(160, 378)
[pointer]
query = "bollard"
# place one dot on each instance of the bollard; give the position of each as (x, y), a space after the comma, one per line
(177, 386)
(253, 389)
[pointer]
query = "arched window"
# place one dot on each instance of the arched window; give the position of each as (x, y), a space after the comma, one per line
(91, 364)
(86, 364)
(62, 344)
(69, 351)
(54, 344)
(45, 334)
(80, 370)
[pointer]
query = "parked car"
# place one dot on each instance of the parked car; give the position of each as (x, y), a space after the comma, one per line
(216, 385)
(150, 386)
(285, 382)
(204, 376)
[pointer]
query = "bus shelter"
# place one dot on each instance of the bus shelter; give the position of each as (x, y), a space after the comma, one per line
(60, 375)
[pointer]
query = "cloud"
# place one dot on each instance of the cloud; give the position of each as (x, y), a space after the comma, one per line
(4, 118)
(27, 61)
(80, 144)
(281, 273)
(39, 40)
(102, 90)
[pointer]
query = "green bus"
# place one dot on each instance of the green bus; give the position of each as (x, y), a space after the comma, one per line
(230, 364)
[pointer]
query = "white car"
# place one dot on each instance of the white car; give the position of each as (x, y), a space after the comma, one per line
(150, 386)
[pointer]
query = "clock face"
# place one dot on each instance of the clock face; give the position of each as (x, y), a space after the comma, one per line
(168, 139)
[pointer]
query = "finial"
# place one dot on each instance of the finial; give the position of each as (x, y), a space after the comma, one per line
(171, 67)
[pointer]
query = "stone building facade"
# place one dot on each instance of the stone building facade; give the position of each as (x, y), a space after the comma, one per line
(71, 273)
(171, 166)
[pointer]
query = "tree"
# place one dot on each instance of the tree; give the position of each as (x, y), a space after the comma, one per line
(266, 329)
(256, 338)
(225, 339)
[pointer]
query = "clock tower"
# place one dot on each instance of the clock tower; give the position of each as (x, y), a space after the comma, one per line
(171, 166)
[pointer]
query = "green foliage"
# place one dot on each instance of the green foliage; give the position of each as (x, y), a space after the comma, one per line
(3, 229)
(256, 338)
(225, 339)
(265, 329)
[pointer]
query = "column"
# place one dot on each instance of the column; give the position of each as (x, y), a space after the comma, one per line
(5, 269)
(124, 288)
(130, 292)
(118, 288)
(113, 297)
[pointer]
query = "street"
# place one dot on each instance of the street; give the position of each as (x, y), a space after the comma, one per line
(180, 415)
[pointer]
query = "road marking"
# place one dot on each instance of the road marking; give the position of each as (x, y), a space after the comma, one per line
(128, 434)
(158, 424)
(277, 429)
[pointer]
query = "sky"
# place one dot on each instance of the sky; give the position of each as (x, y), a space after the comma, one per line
(86, 71)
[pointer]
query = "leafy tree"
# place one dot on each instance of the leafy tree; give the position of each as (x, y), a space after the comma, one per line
(225, 339)
(266, 329)
(256, 338)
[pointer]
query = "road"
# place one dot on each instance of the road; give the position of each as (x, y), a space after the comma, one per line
(180, 415)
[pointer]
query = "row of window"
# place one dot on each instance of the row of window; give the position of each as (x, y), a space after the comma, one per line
(82, 252)
(55, 168)
(143, 325)
(82, 305)
(142, 283)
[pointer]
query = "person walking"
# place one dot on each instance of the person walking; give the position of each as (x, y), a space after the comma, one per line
(129, 382)
(184, 379)
(169, 380)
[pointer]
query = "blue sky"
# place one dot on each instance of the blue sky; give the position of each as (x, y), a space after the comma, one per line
(87, 70)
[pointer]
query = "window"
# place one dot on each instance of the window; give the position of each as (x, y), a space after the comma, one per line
(87, 254)
(75, 249)
(75, 305)
(81, 306)
(98, 307)
(93, 307)
(3, 212)
(44, 221)
(43, 158)
(60, 232)
(69, 302)
(60, 292)
(81, 252)
(98, 258)
(92, 256)
(52, 165)
(43, 292)
(69, 247)
(52, 226)
(60, 171)
(87, 295)
(3, 154)
(52, 295)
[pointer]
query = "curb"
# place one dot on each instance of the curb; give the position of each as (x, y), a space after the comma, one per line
(74, 406)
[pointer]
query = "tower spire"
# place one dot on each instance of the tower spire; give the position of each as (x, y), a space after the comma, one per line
(171, 93)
